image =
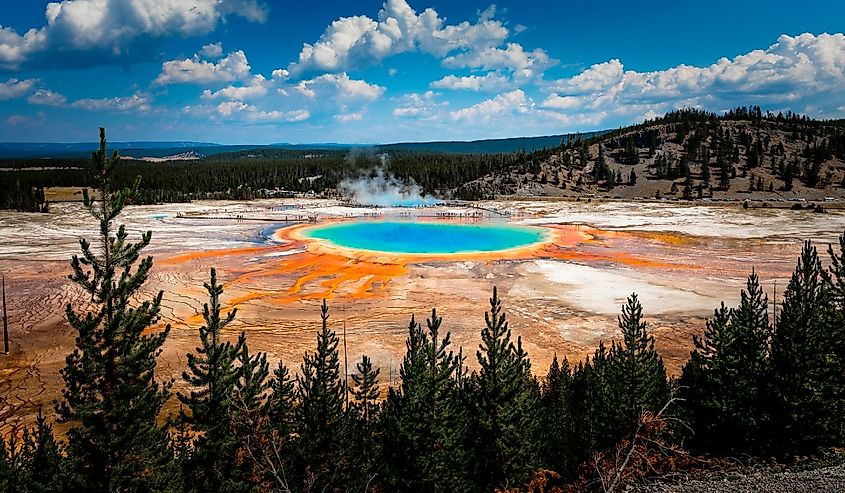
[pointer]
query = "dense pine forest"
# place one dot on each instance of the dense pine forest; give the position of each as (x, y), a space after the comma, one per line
(755, 384)
(247, 174)
(686, 154)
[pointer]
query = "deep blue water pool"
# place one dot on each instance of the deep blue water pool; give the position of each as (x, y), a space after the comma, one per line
(426, 237)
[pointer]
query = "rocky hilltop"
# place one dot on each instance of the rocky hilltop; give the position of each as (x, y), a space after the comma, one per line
(687, 154)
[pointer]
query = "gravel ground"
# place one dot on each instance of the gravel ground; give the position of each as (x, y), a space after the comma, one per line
(824, 480)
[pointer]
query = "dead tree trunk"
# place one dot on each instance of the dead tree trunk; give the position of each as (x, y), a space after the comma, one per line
(5, 320)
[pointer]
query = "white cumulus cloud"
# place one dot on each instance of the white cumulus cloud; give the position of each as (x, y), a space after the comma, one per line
(199, 71)
(340, 87)
(350, 42)
(491, 82)
(349, 117)
(555, 101)
(280, 73)
(523, 64)
(137, 102)
(14, 88)
(110, 27)
(256, 88)
(805, 73)
(47, 97)
(212, 51)
(416, 105)
(513, 102)
(254, 114)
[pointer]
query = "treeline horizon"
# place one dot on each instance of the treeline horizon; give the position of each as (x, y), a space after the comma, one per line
(245, 175)
(753, 385)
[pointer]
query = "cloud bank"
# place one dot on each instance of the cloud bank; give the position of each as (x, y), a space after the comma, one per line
(359, 41)
(91, 32)
(803, 72)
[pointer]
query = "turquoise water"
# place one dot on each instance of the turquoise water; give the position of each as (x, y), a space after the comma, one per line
(426, 237)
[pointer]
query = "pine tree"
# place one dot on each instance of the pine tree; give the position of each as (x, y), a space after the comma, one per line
(557, 435)
(320, 413)
(365, 392)
(582, 406)
(751, 333)
(212, 375)
(45, 461)
(111, 398)
(596, 404)
(800, 356)
(281, 404)
(724, 174)
(724, 380)
(401, 420)
(639, 369)
(277, 431)
(365, 416)
(687, 193)
(835, 281)
(506, 404)
(705, 174)
(424, 421)
(32, 463)
(251, 384)
(246, 416)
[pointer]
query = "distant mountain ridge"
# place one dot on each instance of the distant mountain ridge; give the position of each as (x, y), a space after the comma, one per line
(73, 149)
(161, 149)
(511, 144)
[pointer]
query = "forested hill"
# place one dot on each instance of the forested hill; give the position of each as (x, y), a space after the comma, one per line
(491, 146)
(11, 150)
(686, 154)
(83, 149)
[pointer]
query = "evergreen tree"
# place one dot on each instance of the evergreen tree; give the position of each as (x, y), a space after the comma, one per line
(44, 458)
(425, 419)
(212, 375)
(251, 384)
(365, 410)
(835, 280)
(365, 392)
(800, 355)
(248, 404)
(705, 174)
(320, 412)
(281, 404)
(596, 403)
(639, 369)
(557, 435)
(581, 443)
(687, 194)
(32, 463)
(507, 405)
(280, 429)
(111, 399)
(632, 154)
(724, 173)
(724, 380)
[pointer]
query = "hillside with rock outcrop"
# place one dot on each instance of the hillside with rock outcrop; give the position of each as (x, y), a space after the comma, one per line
(687, 154)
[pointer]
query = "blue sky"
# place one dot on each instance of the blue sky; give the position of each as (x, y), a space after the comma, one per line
(253, 71)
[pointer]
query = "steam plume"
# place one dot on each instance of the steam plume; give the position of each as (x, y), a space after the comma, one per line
(382, 189)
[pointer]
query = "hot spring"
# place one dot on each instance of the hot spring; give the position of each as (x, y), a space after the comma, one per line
(412, 237)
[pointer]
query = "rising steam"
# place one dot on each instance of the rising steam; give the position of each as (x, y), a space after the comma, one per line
(382, 189)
